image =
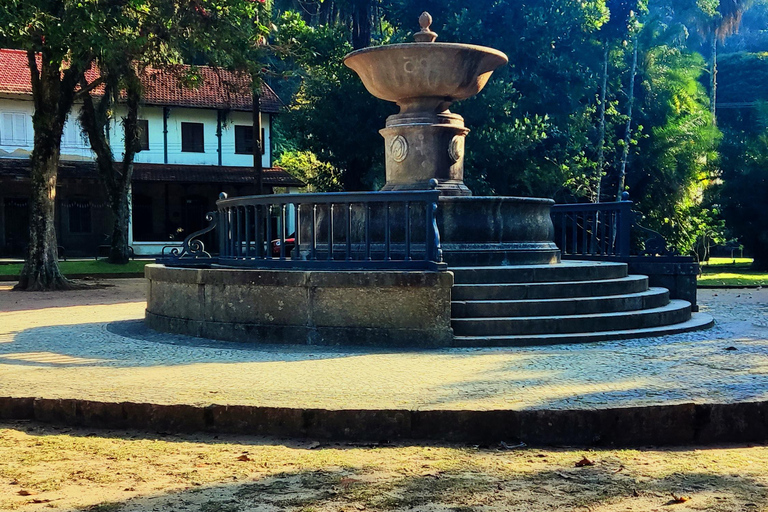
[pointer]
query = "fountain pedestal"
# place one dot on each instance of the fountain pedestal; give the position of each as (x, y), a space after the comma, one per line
(421, 147)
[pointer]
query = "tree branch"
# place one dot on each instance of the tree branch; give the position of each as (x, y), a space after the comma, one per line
(87, 88)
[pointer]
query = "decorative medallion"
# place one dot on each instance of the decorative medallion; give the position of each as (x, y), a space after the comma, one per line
(398, 148)
(456, 148)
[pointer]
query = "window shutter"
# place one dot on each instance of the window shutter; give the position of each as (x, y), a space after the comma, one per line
(6, 130)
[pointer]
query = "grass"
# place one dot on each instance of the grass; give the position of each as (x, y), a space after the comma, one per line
(88, 267)
(129, 471)
(731, 272)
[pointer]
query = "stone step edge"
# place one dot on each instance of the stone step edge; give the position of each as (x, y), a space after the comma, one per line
(658, 425)
(628, 278)
(674, 305)
(546, 266)
(652, 291)
(575, 271)
(698, 321)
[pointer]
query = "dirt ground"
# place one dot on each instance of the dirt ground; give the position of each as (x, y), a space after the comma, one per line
(43, 468)
(111, 291)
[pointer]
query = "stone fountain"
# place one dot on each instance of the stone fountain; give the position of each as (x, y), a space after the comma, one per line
(424, 147)
(504, 285)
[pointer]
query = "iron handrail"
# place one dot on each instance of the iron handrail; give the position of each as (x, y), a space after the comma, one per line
(344, 231)
(593, 229)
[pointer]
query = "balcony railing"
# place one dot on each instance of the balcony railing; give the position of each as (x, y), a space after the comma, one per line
(367, 230)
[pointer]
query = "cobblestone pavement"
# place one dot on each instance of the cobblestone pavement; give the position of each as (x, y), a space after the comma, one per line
(93, 345)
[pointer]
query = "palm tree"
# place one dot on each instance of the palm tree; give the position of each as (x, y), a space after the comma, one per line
(725, 21)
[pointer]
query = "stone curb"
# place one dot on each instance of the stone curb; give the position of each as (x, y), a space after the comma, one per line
(680, 424)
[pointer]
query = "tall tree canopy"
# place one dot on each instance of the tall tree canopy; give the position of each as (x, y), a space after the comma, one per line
(597, 93)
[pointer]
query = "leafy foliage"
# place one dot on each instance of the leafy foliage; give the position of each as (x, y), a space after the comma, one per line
(304, 165)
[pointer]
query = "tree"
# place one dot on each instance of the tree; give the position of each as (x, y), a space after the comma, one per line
(332, 115)
(161, 35)
(620, 26)
(59, 38)
(673, 162)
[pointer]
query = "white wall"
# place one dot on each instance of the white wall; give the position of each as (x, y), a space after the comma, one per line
(16, 135)
(228, 139)
(154, 116)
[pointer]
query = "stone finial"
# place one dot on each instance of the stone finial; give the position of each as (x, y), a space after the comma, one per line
(425, 35)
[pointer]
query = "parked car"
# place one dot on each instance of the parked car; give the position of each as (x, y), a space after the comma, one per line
(290, 243)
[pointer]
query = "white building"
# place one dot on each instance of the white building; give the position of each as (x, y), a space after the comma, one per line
(196, 143)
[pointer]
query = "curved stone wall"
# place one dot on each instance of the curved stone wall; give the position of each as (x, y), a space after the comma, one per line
(302, 307)
(479, 230)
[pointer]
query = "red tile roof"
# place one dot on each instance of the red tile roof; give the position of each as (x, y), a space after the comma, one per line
(218, 88)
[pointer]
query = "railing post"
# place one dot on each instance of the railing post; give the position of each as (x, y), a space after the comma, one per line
(438, 249)
(625, 227)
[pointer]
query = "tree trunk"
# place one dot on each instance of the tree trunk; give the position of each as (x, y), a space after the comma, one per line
(116, 178)
(361, 24)
(258, 170)
(713, 80)
(121, 212)
(628, 128)
(52, 104)
(601, 135)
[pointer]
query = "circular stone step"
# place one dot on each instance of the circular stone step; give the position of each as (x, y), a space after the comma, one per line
(677, 311)
(565, 271)
(565, 289)
(698, 321)
(652, 298)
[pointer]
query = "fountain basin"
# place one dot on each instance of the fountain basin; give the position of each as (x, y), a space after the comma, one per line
(425, 77)
(496, 231)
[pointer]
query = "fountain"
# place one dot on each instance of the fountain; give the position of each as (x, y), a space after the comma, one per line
(424, 147)
(420, 263)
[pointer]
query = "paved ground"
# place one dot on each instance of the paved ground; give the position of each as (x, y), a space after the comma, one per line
(92, 345)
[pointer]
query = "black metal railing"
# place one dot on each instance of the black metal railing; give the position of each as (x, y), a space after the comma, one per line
(366, 230)
(593, 229)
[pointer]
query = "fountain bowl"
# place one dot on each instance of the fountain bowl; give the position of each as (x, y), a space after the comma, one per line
(422, 77)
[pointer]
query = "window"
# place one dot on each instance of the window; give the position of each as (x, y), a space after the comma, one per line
(73, 137)
(244, 140)
(14, 129)
(192, 138)
(142, 127)
(79, 216)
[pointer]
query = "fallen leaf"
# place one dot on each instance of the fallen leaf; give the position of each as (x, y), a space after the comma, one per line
(25, 492)
(244, 458)
(584, 462)
(678, 499)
